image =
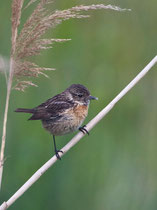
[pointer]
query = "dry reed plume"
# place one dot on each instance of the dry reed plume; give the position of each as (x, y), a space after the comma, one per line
(29, 42)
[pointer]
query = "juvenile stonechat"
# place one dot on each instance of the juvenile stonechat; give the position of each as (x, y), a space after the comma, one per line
(63, 113)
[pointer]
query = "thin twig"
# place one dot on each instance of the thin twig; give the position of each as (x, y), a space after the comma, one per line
(77, 138)
(5, 120)
(16, 15)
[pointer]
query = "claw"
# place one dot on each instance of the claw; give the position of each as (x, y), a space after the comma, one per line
(57, 154)
(84, 130)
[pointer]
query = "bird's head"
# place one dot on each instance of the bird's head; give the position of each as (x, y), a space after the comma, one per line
(80, 94)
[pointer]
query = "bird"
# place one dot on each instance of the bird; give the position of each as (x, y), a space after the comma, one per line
(63, 113)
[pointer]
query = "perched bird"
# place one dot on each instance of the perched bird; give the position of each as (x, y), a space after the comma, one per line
(63, 113)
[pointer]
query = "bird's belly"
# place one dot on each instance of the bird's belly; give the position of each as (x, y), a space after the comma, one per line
(61, 128)
(69, 122)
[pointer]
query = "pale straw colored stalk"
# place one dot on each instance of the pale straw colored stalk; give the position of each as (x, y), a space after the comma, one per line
(77, 138)
(5, 122)
(16, 15)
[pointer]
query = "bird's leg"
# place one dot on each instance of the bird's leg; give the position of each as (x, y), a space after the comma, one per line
(56, 151)
(83, 130)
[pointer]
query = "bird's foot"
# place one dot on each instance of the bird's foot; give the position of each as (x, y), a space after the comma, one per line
(57, 154)
(84, 130)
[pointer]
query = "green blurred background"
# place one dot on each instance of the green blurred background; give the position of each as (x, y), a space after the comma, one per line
(115, 168)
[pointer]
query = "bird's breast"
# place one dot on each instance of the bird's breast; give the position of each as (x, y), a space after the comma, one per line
(80, 112)
(78, 115)
(69, 121)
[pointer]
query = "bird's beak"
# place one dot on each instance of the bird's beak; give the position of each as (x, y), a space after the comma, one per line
(93, 98)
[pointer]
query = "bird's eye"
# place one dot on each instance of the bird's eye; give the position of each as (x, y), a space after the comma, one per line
(80, 95)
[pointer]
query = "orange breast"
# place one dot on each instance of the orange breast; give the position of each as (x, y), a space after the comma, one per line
(81, 112)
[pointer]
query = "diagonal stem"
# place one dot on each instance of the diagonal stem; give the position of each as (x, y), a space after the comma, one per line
(77, 138)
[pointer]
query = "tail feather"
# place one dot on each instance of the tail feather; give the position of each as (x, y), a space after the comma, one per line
(25, 110)
(35, 117)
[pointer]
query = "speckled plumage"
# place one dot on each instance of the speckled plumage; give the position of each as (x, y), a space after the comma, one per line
(66, 122)
(63, 113)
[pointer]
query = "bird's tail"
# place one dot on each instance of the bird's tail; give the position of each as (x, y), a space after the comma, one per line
(25, 110)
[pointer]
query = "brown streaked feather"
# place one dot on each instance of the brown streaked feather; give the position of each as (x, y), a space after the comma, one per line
(52, 108)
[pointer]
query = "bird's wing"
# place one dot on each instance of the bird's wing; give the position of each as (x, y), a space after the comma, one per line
(52, 109)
